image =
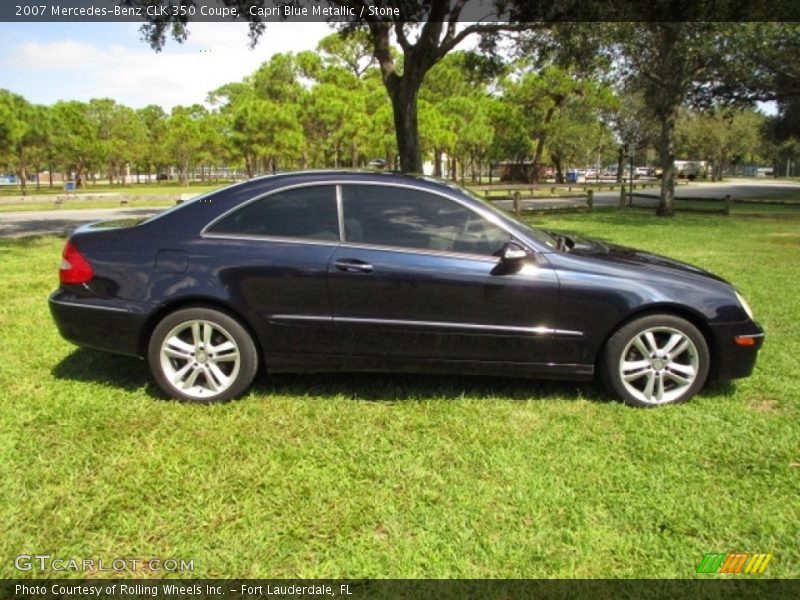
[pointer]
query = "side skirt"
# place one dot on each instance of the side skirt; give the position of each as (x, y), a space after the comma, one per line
(310, 363)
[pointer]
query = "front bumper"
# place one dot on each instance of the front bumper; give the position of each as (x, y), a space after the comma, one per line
(733, 360)
(97, 324)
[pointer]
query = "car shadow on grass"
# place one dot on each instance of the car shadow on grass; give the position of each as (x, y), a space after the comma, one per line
(131, 374)
(92, 366)
(397, 387)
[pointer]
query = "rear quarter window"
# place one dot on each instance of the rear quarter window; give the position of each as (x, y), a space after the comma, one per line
(303, 213)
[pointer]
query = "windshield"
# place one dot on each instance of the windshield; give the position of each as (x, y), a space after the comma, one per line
(537, 234)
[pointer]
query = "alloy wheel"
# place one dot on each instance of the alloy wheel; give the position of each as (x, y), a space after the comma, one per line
(659, 365)
(200, 359)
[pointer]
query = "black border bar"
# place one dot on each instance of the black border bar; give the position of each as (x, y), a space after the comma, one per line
(276, 11)
(710, 587)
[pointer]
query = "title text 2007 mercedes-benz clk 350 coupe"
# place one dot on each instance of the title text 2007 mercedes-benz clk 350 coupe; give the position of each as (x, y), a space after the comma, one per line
(358, 271)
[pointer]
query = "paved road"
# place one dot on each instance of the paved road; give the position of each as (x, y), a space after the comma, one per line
(61, 221)
(737, 189)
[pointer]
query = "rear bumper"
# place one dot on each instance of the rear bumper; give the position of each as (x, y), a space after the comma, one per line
(97, 324)
(733, 360)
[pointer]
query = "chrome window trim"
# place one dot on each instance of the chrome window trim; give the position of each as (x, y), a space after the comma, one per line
(488, 216)
(429, 252)
(337, 184)
(204, 231)
(268, 238)
(539, 331)
(333, 243)
(340, 211)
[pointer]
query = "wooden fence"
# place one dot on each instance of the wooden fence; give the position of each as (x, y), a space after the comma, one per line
(719, 206)
(726, 202)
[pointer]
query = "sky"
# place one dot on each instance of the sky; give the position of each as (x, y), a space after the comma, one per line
(46, 62)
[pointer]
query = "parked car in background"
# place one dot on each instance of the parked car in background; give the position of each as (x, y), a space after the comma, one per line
(364, 271)
(609, 172)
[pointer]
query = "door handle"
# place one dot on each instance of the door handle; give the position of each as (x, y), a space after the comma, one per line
(353, 265)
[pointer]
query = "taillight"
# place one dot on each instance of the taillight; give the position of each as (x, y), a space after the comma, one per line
(74, 267)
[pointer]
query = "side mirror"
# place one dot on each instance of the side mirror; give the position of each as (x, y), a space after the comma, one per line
(513, 252)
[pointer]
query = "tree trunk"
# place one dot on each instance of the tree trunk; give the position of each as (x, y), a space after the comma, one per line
(620, 163)
(22, 173)
(719, 168)
(437, 162)
(559, 169)
(537, 157)
(406, 125)
(666, 150)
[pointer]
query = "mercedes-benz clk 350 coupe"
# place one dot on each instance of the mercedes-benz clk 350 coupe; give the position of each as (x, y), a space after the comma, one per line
(357, 271)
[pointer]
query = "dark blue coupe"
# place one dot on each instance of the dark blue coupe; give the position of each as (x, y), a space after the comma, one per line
(356, 271)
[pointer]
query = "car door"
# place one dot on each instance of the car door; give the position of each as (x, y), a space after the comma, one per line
(418, 276)
(272, 256)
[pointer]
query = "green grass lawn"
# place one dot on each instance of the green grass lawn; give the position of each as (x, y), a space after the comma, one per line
(407, 476)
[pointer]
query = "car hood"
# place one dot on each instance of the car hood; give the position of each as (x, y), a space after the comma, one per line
(624, 256)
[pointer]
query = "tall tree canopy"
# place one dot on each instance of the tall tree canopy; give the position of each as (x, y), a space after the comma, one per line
(424, 31)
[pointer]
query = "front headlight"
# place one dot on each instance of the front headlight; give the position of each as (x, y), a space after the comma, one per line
(745, 306)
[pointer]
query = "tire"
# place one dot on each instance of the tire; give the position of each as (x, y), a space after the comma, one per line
(183, 366)
(655, 360)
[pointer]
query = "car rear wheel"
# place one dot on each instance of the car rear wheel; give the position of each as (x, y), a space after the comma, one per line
(656, 360)
(202, 355)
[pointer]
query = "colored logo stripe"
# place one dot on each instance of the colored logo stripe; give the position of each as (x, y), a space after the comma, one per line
(758, 563)
(711, 563)
(734, 562)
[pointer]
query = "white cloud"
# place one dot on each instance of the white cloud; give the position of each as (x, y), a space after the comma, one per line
(133, 74)
(53, 55)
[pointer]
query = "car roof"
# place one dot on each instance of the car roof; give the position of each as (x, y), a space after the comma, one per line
(200, 208)
(266, 183)
(343, 175)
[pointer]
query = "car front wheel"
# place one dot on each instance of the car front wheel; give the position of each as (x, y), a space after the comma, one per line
(656, 360)
(202, 355)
